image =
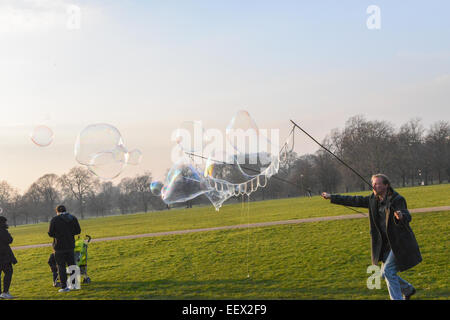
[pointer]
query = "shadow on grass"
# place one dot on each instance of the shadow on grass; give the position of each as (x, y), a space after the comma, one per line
(223, 289)
(183, 289)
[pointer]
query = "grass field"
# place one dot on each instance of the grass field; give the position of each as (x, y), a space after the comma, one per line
(317, 260)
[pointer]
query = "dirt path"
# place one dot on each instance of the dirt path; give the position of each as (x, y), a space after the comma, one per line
(239, 226)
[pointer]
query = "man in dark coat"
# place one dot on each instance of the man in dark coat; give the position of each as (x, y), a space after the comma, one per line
(62, 229)
(7, 258)
(393, 241)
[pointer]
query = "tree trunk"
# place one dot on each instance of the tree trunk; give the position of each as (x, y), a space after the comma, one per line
(81, 208)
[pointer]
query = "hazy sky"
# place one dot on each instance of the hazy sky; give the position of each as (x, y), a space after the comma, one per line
(146, 66)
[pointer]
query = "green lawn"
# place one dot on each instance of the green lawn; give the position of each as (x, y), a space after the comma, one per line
(231, 214)
(319, 260)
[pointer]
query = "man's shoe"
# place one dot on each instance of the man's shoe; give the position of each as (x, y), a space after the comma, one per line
(66, 289)
(408, 296)
(6, 295)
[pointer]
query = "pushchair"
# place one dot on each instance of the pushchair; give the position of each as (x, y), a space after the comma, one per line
(81, 256)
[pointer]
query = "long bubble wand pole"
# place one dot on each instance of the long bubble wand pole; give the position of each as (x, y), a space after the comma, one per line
(353, 170)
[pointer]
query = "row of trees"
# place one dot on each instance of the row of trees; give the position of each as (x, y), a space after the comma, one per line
(410, 156)
(82, 192)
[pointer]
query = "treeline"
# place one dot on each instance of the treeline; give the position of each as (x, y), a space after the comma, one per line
(83, 194)
(410, 155)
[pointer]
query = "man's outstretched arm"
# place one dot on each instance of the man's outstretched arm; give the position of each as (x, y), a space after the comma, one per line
(351, 201)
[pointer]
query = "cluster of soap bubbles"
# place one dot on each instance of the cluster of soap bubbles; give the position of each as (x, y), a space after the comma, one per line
(100, 147)
(244, 164)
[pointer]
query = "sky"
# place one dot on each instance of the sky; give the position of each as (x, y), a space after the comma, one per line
(145, 67)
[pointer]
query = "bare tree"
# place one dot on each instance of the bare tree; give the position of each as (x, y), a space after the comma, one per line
(125, 198)
(106, 195)
(365, 146)
(8, 195)
(101, 202)
(79, 183)
(17, 208)
(36, 203)
(326, 170)
(408, 143)
(437, 142)
(33, 204)
(301, 175)
(45, 194)
(29, 204)
(141, 186)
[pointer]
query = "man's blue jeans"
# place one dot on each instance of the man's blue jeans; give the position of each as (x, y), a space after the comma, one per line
(396, 285)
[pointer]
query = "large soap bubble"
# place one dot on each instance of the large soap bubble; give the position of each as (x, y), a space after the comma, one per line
(95, 139)
(100, 147)
(251, 147)
(184, 182)
(241, 127)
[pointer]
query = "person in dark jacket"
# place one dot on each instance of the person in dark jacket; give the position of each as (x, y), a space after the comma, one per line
(393, 241)
(7, 258)
(62, 229)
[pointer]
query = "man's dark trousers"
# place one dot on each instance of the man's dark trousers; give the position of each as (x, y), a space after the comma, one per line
(63, 259)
